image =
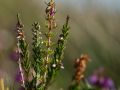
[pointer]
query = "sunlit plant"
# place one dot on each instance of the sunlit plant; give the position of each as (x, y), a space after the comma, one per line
(39, 66)
(38, 72)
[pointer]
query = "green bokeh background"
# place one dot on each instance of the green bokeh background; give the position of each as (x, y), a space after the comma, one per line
(95, 30)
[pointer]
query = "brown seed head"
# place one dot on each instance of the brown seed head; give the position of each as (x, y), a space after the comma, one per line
(80, 67)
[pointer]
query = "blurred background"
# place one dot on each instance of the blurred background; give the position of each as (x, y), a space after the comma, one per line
(95, 30)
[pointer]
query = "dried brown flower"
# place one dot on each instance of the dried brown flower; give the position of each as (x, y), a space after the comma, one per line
(80, 67)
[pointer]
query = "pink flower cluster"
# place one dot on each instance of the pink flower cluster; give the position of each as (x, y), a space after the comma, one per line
(98, 79)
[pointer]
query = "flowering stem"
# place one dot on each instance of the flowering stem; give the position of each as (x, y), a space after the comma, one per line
(38, 73)
(38, 56)
(23, 54)
(51, 24)
(20, 36)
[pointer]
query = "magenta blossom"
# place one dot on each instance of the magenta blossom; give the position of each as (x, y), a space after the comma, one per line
(52, 12)
(18, 77)
(102, 82)
(14, 55)
(98, 79)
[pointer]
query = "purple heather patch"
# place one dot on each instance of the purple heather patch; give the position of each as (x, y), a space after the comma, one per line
(93, 79)
(14, 56)
(18, 77)
(52, 12)
(103, 82)
(108, 83)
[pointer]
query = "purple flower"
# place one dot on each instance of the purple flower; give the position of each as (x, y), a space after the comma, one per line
(52, 12)
(18, 77)
(14, 55)
(100, 80)
(108, 83)
(93, 79)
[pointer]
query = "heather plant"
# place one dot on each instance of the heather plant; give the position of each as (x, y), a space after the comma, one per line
(38, 72)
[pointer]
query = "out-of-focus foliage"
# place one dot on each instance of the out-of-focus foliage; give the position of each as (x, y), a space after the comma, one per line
(2, 86)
